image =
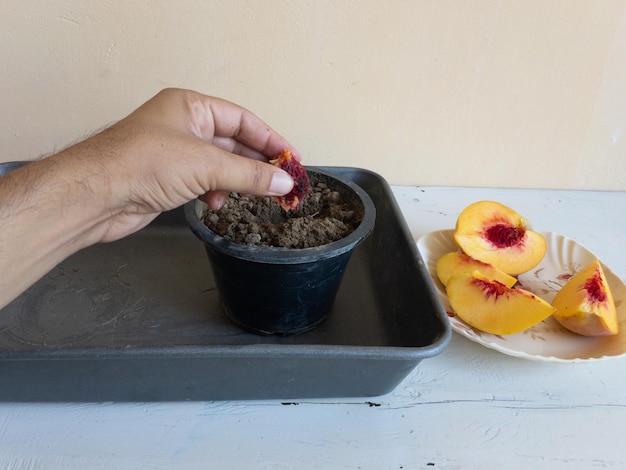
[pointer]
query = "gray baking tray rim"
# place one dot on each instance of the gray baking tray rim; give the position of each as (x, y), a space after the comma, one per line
(140, 320)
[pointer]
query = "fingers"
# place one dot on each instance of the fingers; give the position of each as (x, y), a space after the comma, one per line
(231, 172)
(238, 130)
(220, 122)
(218, 147)
(229, 144)
(215, 199)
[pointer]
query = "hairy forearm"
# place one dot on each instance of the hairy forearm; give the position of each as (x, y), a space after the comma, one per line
(49, 211)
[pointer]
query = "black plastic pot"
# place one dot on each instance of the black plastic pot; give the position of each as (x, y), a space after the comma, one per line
(275, 290)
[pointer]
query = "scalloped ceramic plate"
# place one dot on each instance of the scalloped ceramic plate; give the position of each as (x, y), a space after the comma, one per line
(547, 341)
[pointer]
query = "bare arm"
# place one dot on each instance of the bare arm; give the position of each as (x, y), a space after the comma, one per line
(178, 146)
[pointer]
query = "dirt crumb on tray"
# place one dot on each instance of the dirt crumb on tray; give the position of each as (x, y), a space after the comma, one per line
(324, 216)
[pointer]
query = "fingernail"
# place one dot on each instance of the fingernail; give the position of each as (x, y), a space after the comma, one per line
(281, 183)
(218, 201)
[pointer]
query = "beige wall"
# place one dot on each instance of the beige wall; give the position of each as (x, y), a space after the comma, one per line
(514, 93)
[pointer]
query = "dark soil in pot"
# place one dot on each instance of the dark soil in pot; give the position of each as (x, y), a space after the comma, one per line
(325, 215)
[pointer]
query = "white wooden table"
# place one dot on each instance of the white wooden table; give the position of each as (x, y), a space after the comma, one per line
(468, 408)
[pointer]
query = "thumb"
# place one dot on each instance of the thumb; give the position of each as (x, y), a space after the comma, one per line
(246, 176)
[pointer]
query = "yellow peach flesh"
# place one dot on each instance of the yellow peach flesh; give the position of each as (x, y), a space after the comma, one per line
(585, 304)
(456, 262)
(495, 234)
(492, 307)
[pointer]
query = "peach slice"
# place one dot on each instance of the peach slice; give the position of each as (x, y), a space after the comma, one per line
(493, 307)
(457, 262)
(494, 233)
(585, 304)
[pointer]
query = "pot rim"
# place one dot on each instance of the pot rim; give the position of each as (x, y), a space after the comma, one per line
(282, 255)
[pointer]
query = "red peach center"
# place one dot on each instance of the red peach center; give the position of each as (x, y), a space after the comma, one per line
(504, 236)
(595, 291)
(491, 288)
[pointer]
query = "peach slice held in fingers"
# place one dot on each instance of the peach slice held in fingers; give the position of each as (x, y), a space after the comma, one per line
(457, 262)
(293, 199)
(585, 304)
(494, 233)
(493, 307)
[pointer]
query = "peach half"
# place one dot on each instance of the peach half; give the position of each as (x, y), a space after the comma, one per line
(457, 262)
(494, 233)
(585, 304)
(493, 307)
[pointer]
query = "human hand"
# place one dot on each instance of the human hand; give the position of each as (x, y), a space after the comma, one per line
(178, 146)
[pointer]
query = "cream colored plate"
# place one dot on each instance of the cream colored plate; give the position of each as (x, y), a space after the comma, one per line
(547, 341)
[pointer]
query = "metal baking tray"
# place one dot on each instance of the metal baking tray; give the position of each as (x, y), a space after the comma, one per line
(140, 320)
